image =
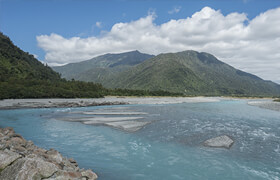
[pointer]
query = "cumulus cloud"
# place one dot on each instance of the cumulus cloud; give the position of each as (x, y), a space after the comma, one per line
(250, 45)
(175, 10)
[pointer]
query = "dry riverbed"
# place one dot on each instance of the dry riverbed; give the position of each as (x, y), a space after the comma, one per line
(266, 104)
(52, 103)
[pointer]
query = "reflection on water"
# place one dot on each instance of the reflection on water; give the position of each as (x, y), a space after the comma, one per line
(169, 147)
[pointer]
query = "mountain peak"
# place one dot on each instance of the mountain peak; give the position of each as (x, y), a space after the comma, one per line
(135, 51)
(121, 60)
(127, 52)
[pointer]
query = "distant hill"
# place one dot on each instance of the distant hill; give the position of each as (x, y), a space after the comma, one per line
(99, 68)
(23, 76)
(187, 72)
(192, 73)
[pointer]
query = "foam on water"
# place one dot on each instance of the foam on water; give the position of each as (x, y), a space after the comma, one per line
(168, 148)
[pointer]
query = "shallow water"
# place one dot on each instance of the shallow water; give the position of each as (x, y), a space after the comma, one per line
(168, 148)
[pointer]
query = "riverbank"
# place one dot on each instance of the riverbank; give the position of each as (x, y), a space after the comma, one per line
(110, 100)
(55, 103)
(266, 104)
(21, 159)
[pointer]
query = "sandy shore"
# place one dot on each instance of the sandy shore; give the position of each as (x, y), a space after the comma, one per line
(266, 104)
(52, 103)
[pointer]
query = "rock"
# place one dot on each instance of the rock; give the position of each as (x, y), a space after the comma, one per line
(36, 168)
(9, 173)
(29, 168)
(7, 157)
(6, 131)
(73, 162)
(88, 174)
(54, 155)
(219, 142)
(66, 176)
(22, 160)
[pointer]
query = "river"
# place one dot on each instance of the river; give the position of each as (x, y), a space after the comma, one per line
(168, 147)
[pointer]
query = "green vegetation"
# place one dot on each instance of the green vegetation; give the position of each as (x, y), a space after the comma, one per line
(189, 73)
(98, 69)
(24, 88)
(23, 76)
(277, 100)
(129, 92)
(192, 73)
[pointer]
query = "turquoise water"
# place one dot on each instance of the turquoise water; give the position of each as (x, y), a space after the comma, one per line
(169, 148)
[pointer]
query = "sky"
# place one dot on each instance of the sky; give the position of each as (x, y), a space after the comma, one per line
(242, 33)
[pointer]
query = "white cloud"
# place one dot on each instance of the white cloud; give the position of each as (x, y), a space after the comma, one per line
(250, 45)
(35, 56)
(175, 10)
(98, 24)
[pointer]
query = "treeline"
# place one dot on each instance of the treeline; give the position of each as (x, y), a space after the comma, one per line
(32, 88)
(129, 92)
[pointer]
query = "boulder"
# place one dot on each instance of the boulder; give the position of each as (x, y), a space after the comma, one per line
(10, 172)
(22, 160)
(72, 161)
(7, 157)
(36, 168)
(88, 174)
(6, 131)
(219, 142)
(54, 156)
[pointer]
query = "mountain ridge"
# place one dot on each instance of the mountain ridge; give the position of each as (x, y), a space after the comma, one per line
(109, 60)
(23, 76)
(189, 72)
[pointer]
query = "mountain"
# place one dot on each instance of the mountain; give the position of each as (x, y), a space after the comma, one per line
(16, 64)
(187, 72)
(99, 68)
(23, 76)
(192, 73)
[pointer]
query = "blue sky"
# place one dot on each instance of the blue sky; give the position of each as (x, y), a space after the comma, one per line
(23, 20)
(26, 20)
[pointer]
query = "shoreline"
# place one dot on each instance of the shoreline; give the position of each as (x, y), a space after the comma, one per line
(7, 104)
(266, 104)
